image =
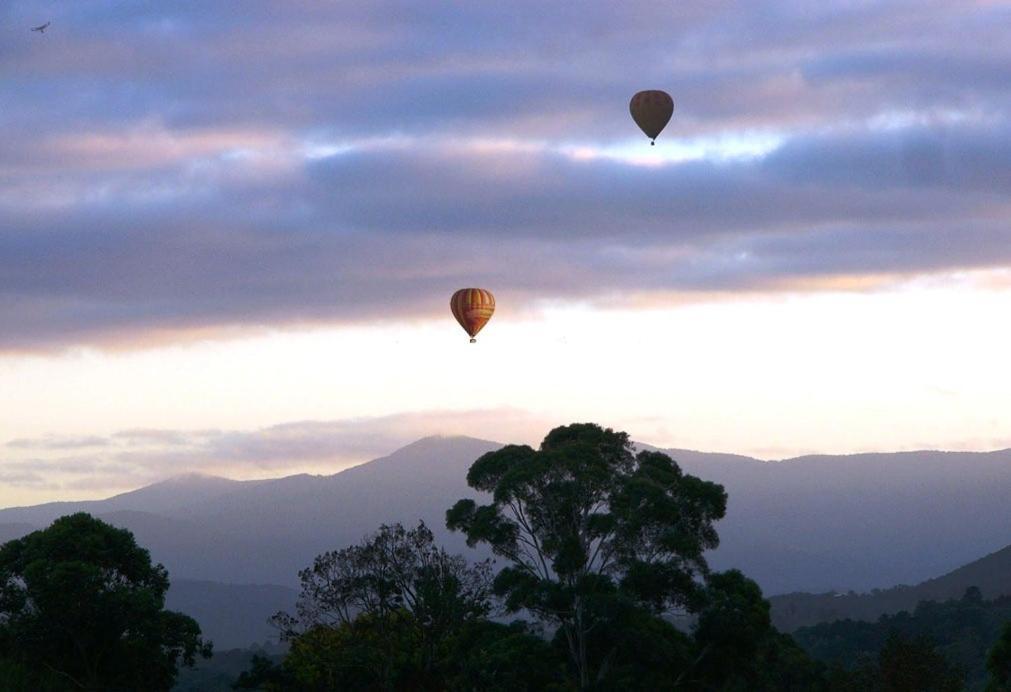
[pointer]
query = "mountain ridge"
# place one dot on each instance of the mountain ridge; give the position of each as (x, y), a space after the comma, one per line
(806, 524)
(991, 574)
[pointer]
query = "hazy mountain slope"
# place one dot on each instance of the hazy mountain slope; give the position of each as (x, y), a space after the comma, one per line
(208, 528)
(9, 532)
(231, 615)
(272, 529)
(165, 496)
(991, 574)
(806, 524)
(858, 521)
(193, 549)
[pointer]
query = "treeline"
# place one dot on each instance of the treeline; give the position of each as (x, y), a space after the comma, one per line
(597, 550)
(959, 634)
(398, 613)
(600, 547)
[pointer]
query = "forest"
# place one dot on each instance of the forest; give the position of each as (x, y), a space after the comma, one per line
(599, 581)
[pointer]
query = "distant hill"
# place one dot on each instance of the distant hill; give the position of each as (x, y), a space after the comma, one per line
(813, 524)
(991, 574)
(231, 615)
(861, 521)
(9, 532)
(213, 529)
(963, 630)
(165, 497)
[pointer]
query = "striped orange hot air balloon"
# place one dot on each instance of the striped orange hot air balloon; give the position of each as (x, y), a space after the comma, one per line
(472, 308)
(651, 110)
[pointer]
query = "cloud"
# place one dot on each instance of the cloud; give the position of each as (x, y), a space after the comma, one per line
(57, 442)
(129, 458)
(166, 438)
(174, 168)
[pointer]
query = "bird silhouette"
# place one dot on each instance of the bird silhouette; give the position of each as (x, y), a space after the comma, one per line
(41, 28)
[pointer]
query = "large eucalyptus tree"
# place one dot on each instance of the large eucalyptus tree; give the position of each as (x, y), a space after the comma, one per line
(591, 528)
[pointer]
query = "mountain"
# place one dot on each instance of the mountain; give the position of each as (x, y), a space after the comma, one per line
(213, 529)
(9, 532)
(821, 523)
(167, 496)
(231, 615)
(233, 549)
(815, 523)
(991, 574)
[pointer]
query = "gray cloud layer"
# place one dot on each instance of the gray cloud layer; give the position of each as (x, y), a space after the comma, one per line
(171, 166)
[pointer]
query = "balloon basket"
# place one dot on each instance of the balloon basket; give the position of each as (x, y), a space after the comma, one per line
(473, 341)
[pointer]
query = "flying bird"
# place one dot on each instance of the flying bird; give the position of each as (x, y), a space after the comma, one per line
(41, 28)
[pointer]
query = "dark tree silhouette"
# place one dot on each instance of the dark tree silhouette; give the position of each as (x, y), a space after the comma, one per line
(81, 602)
(737, 648)
(915, 665)
(395, 596)
(998, 662)
(587, 525)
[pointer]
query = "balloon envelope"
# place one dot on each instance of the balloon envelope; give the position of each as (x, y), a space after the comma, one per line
(472, 308)
(651, 111)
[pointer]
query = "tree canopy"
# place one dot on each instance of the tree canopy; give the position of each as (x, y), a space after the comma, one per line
(962, 630)
(602, 546)
(587, 525)
(383, 611)
(998, 662)
(82, 606)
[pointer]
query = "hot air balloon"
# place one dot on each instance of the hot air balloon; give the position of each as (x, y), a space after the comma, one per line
(651, 110)
(472, 308)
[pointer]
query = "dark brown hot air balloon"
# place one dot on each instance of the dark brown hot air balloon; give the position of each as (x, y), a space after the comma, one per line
(472, 308)
(651, 110)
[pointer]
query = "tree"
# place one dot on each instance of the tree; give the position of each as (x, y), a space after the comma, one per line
(586, 523)
(915, 665)
(397, 591)
(265, 675)
(636, 650)
(493, 657)
(998, 662)
(369, 653)
(739, 649)
(962, 630)
(734, 622)
(81, 601)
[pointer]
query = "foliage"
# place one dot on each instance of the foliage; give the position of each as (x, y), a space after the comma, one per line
(734, 622)
(373, 614)
(80, 601)
(395, 569)
(494, 657)
(737, 647)
(637, 650)
(585, 523)
(369, 653)
(16, 677)
(603, 545)
(266, 675)
(915, 664)
(962, 631)
(904, 664)
(998, 662)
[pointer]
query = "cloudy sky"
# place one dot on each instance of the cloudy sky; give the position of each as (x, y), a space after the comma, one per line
(229, 231)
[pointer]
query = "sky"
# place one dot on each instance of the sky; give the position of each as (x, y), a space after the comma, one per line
(229, 232)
